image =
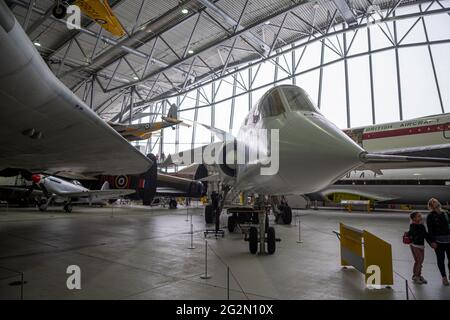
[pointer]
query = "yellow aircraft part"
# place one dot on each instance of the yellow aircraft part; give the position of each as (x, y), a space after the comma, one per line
(100, 12)
(338, 196)
(146, 135)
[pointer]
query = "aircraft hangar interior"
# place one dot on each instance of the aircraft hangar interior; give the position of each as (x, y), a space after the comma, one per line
(224, 150)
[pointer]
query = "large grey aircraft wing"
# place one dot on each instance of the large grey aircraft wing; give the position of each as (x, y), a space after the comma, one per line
(44, 127)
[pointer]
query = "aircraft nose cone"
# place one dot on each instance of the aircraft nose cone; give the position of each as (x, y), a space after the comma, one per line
(315, 152)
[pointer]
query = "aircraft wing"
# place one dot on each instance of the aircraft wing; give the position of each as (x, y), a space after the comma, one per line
(169, 191)
(99, 194)
(46, 128)
(23, 189)
(101, 13)
(219, 133)
(141, 131)
(188, 157)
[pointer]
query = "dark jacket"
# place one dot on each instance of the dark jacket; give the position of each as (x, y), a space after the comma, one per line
(438, 226)
(417, 233)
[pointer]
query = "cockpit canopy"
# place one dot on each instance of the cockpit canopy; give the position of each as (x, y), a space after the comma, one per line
(281, 99)
(76, 182)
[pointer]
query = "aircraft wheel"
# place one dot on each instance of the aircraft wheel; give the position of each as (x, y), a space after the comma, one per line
(231, 223)
(271, 240)
(209, 214)
(42, 207)
(287, 215)
(68, 208)
(253, 240)
(173, 204)
(59, 11)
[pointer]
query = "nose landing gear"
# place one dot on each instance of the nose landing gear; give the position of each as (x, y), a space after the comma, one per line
(254, 223)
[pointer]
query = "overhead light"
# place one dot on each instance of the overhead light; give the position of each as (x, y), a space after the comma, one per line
(190, 51)
(135, 78)
(184, 11)
(37, 43)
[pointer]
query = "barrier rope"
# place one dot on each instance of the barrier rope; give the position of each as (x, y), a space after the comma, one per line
(18, 274)
(231, 272)
(407, 286)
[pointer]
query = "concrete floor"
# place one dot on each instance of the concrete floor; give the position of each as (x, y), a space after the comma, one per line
(142, 253)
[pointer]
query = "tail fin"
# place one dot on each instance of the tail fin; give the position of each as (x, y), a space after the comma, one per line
(105, 186)
(173, 111)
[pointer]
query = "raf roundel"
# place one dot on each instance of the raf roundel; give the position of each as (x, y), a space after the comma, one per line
(121, 182)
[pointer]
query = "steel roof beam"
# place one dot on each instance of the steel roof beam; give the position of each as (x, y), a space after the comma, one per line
(212, 45)
(199, 82)
(235, 24)
(346, 12)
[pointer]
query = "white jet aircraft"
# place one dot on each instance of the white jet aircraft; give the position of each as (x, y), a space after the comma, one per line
(72, 192)
(312, 154)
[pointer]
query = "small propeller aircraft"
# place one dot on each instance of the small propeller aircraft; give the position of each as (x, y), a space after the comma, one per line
(72, 192)
(97, 10)
(143, 131)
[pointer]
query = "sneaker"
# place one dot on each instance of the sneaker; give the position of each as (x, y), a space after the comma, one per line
(424, 281)
(445, 281)
(417, 280)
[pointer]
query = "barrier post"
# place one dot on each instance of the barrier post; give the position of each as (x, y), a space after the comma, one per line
(21, 286)
(299, 230)
(228, 283)
(206, 276)
(407, 289)
(192, 235)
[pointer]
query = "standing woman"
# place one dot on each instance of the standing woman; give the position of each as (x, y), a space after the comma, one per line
(438, 223)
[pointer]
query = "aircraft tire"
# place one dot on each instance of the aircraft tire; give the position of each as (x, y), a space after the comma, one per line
(173, 204)
(271, 240)
(253, 240)
(209, 214)
(68, 208)
(59, 11)
(231, 223)
(287, 215)
(42, 207)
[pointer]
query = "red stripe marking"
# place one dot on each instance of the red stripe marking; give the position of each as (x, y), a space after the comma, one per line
(406, 131)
